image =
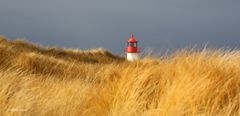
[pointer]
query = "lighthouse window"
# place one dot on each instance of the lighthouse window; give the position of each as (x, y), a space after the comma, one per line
(133, 44)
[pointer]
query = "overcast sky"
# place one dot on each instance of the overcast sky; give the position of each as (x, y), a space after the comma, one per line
(158, 24)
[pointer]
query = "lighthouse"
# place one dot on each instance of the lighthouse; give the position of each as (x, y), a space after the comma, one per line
(132, 49)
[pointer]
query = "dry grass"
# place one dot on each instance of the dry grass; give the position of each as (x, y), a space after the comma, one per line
(52, 81)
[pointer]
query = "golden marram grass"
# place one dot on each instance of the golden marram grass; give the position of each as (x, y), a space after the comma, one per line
(51, 81)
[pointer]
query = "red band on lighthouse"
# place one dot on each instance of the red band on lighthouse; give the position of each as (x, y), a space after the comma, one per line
(132, 45)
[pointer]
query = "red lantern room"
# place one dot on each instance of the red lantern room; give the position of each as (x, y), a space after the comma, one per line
(132, 45)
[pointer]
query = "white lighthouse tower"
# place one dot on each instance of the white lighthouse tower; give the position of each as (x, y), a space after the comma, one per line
(132, 49)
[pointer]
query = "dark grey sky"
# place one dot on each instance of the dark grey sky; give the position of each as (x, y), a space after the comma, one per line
(158, 24)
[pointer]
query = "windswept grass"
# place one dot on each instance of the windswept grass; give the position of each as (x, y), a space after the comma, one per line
(52, 81)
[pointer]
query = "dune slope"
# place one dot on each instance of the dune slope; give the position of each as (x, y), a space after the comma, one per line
(54, 81)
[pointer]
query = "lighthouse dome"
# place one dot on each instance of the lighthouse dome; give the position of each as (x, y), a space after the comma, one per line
(132, 39)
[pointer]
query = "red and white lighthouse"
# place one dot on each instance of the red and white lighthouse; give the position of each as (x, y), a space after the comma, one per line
(132, 49)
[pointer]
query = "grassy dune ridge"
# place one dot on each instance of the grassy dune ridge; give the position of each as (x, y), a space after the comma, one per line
(52, 81)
